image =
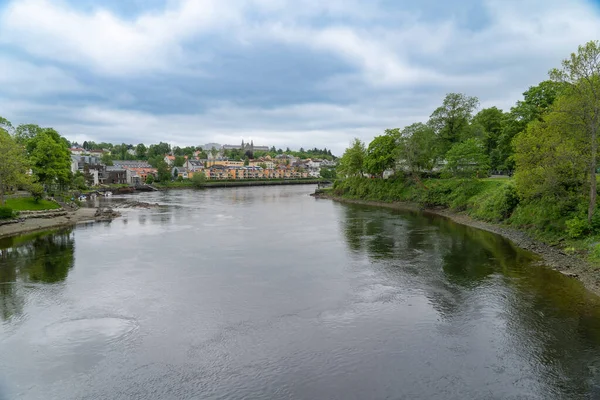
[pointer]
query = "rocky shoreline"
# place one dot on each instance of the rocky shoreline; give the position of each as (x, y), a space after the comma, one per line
(553, 257)
(58, 219)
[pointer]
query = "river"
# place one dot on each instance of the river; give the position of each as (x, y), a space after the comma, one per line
(267, 293)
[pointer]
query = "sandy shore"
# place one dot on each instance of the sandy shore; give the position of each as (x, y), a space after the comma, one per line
(553, 257)
(36, 224)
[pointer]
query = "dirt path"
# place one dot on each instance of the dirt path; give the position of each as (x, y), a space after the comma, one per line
(553, 257)
(35, 224)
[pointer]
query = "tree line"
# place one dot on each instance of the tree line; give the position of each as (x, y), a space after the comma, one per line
(549, 140)
(34, 158)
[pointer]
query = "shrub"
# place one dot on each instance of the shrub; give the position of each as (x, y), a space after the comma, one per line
(577, 227)
(495, 204)
(198, 180)
(6, 213)
(37, 191)
(150, 179)
(180, 178)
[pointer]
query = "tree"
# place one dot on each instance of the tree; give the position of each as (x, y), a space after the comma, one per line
(106, 159)
(162, 171)
(158, 150)
(149, 179)
(175, 173)
(140, 151)
(491, 122)
(198, 179)
(451, 120)
(467, 159)
(179, 161)
(417, 147)
(380, 154)
(13, 164)
(5, 125)
(581, 74)
(50, 157)
(327, 173)
(352, 161)
(537, 100)
(246, 161)
(549, 158)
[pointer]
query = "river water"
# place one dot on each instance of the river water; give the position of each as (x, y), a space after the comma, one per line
(267, 293)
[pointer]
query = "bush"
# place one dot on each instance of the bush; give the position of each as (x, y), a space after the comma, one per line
(180, 178)
(37, 191)
(577, 227)
(495, 204)
(150, 179)
(198, 180)
(6, 213)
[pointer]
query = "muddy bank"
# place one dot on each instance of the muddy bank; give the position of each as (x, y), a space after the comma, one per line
(66, 218)
(552, 256)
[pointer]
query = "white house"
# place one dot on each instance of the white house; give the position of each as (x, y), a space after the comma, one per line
(170, 160)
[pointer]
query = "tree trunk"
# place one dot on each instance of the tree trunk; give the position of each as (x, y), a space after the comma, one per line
(592, 205)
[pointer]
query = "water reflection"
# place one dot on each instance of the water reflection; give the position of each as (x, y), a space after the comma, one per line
(36, 258)
(475, 279)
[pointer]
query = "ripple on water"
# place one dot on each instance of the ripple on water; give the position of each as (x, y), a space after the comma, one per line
(96, 330)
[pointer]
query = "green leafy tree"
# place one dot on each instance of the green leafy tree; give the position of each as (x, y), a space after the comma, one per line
(175, 173)
(198, 180)
(150, 179)
(179, 161)
(158, 150)
(162, 171)
(79, 182)
(581, 75)
(13, 163)
(467, 159)
(352, 161)
(451, 120)
(328, 173)
(50, 158)
(537, 100)
(106, 159)
(380, 154)
(491, 121)
(140, 151)
(549, 159)
(417, 148)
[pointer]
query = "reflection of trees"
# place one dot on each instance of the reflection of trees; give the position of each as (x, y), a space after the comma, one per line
(41, 258)
(550, 321)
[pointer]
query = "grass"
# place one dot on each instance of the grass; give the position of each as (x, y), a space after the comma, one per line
(28, 204)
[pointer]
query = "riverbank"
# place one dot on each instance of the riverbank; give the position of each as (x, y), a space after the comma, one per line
(239, 183)
(552, 256)
(69, 218)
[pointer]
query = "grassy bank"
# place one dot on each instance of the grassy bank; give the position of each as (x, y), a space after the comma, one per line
(29, 204)
(490, 200)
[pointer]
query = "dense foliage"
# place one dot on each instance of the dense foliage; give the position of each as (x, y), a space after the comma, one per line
(549, 140)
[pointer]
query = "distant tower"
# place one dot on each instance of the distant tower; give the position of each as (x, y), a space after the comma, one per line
(252, 146)
(243, 147)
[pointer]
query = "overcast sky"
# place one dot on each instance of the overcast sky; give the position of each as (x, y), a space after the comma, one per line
(281, 72)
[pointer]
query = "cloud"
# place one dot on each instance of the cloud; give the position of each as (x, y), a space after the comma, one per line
(303, 73)
(21, 77)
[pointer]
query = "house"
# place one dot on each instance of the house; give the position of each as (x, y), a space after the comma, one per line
(77, 151)
(138, 175)
(180, 172)
(97, 153)
(193, 165)
(170, 160)
(217, 172)
(116, 175)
